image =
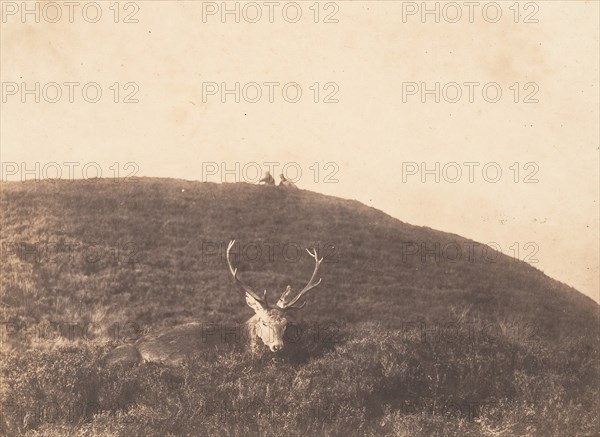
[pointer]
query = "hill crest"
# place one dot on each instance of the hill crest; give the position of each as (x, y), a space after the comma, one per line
(377, 267)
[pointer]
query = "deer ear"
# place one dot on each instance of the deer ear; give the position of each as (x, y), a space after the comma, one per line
(255, 304)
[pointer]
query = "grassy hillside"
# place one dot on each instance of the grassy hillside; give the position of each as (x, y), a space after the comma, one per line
(425, 342)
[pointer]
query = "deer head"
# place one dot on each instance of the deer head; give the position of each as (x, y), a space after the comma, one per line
(269, 323)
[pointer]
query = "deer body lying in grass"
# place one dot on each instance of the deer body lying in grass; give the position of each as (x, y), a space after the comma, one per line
(264, 330)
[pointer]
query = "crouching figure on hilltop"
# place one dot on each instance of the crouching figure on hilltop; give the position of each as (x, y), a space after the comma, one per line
(267, 179)
(286, 183)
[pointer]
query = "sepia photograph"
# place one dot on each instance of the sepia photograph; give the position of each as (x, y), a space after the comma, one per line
(353, 218)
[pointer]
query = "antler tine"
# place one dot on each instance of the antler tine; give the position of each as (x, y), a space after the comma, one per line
(239, 282)
(311, 284)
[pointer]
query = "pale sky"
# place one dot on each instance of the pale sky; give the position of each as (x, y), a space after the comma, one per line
(370, 135)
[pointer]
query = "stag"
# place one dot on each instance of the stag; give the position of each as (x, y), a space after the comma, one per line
(268, 323)
(267, 326)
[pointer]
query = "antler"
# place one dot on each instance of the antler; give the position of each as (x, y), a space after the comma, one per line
(262, 300)
(283, 302)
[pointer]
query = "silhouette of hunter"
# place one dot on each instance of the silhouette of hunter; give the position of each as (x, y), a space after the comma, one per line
(267, 179)
(286, 183)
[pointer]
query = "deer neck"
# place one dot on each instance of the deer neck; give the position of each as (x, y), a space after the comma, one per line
(250, 326)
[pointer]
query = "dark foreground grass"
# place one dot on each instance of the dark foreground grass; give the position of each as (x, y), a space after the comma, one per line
(394, 343)
(373, 382)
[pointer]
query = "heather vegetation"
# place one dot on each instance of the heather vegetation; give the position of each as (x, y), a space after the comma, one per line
(413, 332)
